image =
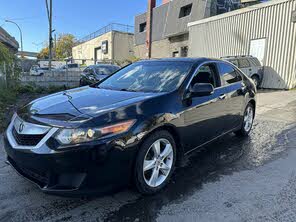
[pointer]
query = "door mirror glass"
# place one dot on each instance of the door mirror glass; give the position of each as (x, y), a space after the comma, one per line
(201, 89)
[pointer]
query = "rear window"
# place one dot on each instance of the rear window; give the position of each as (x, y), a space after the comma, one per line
(255, 62)
(105, 70)
(243, 63)
(234, 62)
(72, 65)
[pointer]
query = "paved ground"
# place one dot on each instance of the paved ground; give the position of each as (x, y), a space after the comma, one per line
(253, 179)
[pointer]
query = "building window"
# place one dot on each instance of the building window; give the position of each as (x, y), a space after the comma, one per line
(176, 54)
(143, 27)
(185, 11)
(184, 51)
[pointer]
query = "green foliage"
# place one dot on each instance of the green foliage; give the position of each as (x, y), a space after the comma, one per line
(7, 98)
(65, 43)
(9, 65)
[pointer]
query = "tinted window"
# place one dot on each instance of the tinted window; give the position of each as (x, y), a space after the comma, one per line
(72, 65)
(234, 62)
(243, 63)
(207, 74)
(255, 62)
(149, 76)
(105, 70)
(86, 70)
(229, 74)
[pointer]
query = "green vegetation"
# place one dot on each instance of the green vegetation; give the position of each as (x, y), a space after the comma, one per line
(12, 93)
(64, 45)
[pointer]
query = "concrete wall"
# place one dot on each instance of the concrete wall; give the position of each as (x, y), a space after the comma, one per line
(231, 34)
(158, 25)
(163, 48)
(55, 78)
(168, 30)
(159, 49)
(176, 25)
(166, 21)
(8, 40)
(123, 46)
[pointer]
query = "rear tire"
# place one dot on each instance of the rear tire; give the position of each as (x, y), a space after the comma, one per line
(155, 162)
(248, 121)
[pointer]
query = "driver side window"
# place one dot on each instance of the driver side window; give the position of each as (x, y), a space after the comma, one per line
(207, 74)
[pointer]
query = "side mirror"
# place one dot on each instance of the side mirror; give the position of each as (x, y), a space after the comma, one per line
(201, 89)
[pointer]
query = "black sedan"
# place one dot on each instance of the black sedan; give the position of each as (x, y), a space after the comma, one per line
(133, 127)
(96, 73)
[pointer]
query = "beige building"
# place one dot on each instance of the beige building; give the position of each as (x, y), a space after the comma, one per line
(112, 43)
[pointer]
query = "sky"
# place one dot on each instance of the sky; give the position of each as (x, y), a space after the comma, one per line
(77, 17)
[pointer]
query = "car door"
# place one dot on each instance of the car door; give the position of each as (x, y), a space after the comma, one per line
(233, 86)
(203, 117)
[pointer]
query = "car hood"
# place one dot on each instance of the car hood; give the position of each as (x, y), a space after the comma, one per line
(84, 101)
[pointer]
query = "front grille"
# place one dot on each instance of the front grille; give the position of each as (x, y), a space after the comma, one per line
(26, 140)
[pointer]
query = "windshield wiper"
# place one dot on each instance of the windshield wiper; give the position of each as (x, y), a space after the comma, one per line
(128, 90)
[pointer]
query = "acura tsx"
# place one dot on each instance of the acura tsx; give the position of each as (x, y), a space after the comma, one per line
(133, 127)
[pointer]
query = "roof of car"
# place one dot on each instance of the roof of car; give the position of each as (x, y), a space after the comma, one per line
(237, 57)
(103, 64)
(183, 59)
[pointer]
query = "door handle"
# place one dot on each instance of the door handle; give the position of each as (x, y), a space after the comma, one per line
(222, 96)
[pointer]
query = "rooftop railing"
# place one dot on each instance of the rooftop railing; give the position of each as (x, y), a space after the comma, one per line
(108, 28)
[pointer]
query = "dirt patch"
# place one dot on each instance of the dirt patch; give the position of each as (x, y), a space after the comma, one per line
(8, 111)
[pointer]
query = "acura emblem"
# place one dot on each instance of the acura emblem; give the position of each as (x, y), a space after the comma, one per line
(21, 127)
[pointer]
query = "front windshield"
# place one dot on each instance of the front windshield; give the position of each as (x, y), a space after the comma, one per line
(149, 77)
(105, 70)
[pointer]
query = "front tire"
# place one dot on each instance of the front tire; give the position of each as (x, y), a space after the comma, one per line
(155, 162)
(247, 125)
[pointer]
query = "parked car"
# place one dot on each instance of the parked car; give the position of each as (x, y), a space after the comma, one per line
(37, 71)
(70, 67)
(95, 73)
(250, 65)
(134, 126)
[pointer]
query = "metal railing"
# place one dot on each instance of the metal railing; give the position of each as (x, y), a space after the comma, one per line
(108, 28)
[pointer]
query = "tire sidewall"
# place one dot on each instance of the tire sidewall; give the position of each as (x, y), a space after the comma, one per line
(243, 126)
(139, 180)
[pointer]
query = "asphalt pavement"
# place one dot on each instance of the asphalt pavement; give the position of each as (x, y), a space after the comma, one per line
(231, 179)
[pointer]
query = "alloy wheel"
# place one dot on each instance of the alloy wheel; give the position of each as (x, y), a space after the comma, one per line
(158, 162)
(248, 118)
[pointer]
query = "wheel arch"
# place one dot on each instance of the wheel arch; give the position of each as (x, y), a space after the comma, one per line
(255, 75)
(173, 131)
(253, 102)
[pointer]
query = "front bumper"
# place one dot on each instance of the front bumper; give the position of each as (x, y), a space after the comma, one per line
(89, 169)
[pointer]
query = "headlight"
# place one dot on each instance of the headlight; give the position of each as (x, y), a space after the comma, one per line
(75, 136)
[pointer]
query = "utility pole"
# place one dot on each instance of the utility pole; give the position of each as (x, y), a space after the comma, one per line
(55, 45)
(49, 15)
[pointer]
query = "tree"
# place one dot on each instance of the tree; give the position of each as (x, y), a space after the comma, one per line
(64, 45)
(9, 65)
(43, 54)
